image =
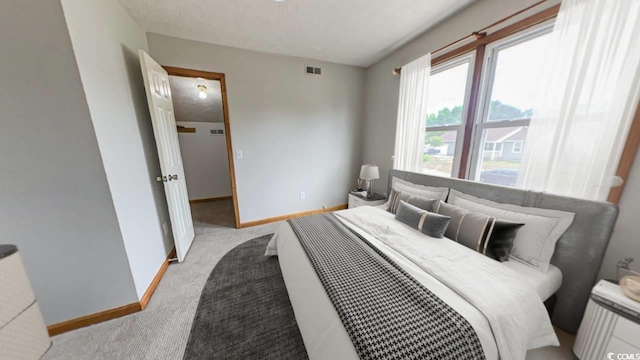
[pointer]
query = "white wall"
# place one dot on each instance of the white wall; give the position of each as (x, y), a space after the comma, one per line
(297, 132)
(206, 165)
(55, 203)
(382, 86)
(105, 41)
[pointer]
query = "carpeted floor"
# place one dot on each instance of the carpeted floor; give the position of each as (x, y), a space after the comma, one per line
(244, 310)
(160, 332)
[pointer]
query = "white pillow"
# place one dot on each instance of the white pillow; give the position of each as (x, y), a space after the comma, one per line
(430, 192)
(536, 240)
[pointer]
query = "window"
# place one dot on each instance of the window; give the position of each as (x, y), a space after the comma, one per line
(510, 79)
(479, 130)
(516, 147)
(512, 67)
(447, 113)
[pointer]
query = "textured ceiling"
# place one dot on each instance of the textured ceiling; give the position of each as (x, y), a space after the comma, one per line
(189, 107)
(354, 32)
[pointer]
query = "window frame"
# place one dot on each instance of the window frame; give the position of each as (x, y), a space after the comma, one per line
(513, 147)
(490, 63)
(470, 58)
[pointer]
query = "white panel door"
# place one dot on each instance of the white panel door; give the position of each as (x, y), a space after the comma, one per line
(156, 83)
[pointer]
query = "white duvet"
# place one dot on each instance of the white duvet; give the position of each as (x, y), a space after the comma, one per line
(505, 312)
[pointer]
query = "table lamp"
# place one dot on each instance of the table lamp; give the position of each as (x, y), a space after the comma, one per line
(369, 172)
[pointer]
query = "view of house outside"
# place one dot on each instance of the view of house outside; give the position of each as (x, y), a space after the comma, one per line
(502, 148)
(514, 80)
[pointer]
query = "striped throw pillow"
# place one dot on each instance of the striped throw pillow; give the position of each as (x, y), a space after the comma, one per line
(485, 234)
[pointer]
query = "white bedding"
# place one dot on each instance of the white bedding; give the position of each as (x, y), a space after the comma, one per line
(322, 331)
(545, 284)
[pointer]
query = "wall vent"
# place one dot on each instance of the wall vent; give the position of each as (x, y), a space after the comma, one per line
(311, 70)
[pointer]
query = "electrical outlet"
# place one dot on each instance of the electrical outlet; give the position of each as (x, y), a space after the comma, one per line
(165, 228)
(303, 195)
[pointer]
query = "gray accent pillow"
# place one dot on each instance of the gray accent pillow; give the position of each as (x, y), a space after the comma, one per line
(395, 199)
(482, 233)
(434, 225)
(456, 214)
(499, 242)
(409, 214)
(415, 200)
(473, 230)
(429, 223)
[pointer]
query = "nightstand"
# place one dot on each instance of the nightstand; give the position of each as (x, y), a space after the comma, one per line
(23, 334)
(611, 324)
(356, 200)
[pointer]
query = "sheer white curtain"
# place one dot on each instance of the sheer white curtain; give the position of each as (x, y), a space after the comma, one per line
(586, 100)
(412, 114)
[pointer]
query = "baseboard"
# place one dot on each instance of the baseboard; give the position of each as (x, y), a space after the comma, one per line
(110, 314)
(290, 216)
(195, 201)
(156, 280)
(92, 319)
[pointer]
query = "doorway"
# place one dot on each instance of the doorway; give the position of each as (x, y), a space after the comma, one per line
(202, 117)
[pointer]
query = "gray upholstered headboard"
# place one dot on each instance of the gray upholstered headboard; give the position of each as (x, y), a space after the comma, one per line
(579, 251)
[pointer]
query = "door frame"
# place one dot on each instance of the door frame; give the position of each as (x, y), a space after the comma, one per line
(209, 75)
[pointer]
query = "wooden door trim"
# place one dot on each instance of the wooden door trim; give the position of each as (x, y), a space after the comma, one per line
(209, 75)
(509, 30)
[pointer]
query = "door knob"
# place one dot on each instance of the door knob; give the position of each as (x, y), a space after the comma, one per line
(161, 178)
(173, 177)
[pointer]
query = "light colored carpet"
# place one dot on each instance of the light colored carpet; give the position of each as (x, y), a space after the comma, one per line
(160, 332)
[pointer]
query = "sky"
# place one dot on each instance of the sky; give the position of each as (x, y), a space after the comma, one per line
(516, 82)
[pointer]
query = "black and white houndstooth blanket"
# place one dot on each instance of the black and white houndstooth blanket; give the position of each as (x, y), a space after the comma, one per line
(386, 312)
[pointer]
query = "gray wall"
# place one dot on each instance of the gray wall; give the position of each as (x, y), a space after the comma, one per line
(382, 86)
(297, 132)
(205, 160)
(626, 235)
(56, 204)
(112, 80)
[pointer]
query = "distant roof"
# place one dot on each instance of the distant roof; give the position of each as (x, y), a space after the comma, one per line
(501, 134)
(518, 136)
(449, 136)
(495, 135)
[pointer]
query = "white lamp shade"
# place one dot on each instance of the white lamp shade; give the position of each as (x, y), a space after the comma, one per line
(369, 172)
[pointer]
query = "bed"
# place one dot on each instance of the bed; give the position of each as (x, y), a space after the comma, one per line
(566, 283)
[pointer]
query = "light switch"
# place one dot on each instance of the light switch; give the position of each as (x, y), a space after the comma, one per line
(239, 155)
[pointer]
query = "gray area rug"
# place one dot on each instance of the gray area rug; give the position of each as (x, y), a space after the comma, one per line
(244, 310)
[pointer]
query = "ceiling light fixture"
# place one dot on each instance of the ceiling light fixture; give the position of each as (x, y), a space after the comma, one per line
(203, 92)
